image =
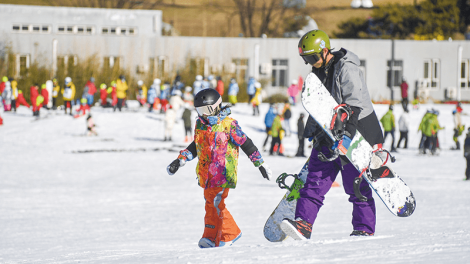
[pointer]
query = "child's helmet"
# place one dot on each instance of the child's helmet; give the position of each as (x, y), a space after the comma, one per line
(103, 86)
(140, 83)
(257, 85)
(68, 79)
(207, 102)
(198, 77)
(188, 89)
(157, 81)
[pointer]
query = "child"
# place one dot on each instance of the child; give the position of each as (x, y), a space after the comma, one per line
(256, 100)
(90, 125)
(216, 144)
(188, 134)
(276, 133)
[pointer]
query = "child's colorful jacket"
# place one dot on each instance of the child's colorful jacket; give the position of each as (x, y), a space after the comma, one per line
(216, 144)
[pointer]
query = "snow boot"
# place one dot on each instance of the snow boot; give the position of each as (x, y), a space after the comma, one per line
(298, 230)
(361, 233)
(207, 243)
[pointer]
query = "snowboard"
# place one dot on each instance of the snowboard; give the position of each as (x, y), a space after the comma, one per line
(370, 163)
(286, 207)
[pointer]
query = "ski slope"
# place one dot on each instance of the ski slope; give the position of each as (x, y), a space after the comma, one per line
(67, 198)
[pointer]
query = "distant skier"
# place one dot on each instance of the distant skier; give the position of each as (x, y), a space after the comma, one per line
(220, 86)
(170, 116)
(403, 125)
(152, 94)
(68, 93)
(256, 100)
(286, 115)
(277, 134)
(268, 122)
(55, 93)
(233, 92)
(197, 84)
(103, 95)
(188, 132)
(251, 89)
(121, 91)
(466, 154)
(91, 90)
(45, 94)
(458, 127)
(216, 143)
(340, 73)
(90, 126)
(292, 91)
(34, 93)
(7, 96)
(388, 123)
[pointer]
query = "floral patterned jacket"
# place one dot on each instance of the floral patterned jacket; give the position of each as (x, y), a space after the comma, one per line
(217, 143)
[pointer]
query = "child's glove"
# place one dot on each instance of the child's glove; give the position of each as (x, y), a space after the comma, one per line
(265, 171)
(343, 145)
(175, 165)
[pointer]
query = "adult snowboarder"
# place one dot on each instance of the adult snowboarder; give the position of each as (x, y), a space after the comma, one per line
(403, 125)
(216, 143)
(388, 123)
(339, 71)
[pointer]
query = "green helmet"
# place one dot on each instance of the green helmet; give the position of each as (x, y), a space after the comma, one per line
(312, 42)
(4, 79)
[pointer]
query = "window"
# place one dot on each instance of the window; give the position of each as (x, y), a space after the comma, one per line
(25, 28)
(36, 28)
(279, 71)
(131, 31)
(61, 29)
(69, 29)
(45, 29)
(104, 30)
(22, 65)
(89, 30)
(432, 72)
(113, 30)
(80, 30)
(16, 28)
(158, 66)
(123, 31)
(464, 72)
(397, 73)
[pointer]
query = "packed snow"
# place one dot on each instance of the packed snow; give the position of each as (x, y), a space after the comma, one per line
(68, 198)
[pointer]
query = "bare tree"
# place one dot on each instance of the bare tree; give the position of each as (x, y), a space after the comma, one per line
(266, 16)
(127, 4)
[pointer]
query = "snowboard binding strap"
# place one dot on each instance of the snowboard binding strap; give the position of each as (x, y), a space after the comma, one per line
(281, 180)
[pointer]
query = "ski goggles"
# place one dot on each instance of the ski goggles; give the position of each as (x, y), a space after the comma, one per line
(208, 110)
(311, 59)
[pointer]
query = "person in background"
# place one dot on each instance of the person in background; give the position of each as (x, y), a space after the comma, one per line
(34, 93)
(197, 84)
(425, 132)
(2, 87)
(466, 154)
(152, 94)
(404, 93)
(188, 96)
(45, 94)
(68, 94)
(142, 93)
(7, 96)
(403, 125)
(188, 129)
(293, 90)
(212, 81)
(216, 144)
(300, 135)
(21, 100)
(90, 95)
(113, 91)
(55, 93)
(434, 128)
(458, 127)
(90, 126)
(251, 89)
(170, 115)
(286, 115)
(233, 92)
(121, 91)
(277, 133)
(164, 95)
(388, 123)
(220, 86)
(14, 92)
(39, 101)
(268, 122)
(256, 100)
(103, 95)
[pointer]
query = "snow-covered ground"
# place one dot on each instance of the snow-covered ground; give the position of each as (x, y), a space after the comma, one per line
(117, 204)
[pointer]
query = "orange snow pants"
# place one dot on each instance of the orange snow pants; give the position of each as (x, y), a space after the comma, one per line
(219, 223)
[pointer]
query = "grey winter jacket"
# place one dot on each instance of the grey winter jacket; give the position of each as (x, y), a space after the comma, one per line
(349, 87)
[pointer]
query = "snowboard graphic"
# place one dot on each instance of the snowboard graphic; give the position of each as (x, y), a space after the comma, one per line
(285, 208)
(391, 189)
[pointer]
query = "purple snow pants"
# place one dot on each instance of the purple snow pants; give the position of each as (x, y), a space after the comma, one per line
(319, 179)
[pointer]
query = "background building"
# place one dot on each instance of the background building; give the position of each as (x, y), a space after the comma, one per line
(132, 39)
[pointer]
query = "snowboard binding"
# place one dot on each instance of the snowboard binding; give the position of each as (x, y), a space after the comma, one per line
(375, 171)
(294, 188)
(340, 118)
